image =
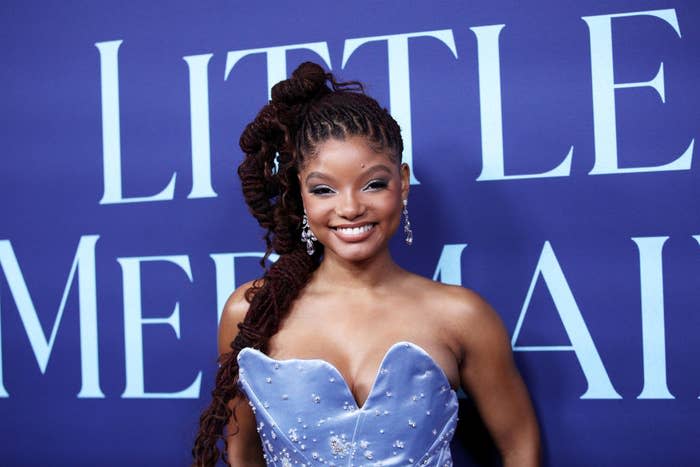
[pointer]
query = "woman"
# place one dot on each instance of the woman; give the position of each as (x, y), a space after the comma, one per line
(338, 356)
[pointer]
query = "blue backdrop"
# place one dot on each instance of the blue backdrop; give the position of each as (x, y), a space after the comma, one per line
(553, 148)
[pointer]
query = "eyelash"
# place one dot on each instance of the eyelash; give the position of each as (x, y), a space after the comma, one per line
(378, 184)
(374, 185)
(321, 190)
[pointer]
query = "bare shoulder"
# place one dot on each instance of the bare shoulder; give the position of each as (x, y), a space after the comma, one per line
(487, 369)
(233, 313)
(456, 301)
(467, 318)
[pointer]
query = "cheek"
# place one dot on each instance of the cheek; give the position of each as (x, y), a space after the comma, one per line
(308, 201)
(390, 207)
(316, 209)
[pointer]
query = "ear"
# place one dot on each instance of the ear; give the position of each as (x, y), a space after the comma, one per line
(405, 174)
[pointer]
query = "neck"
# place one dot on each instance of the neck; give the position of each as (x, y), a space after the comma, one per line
(371, 274)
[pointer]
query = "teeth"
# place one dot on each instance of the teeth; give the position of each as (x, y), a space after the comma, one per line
(355, 230)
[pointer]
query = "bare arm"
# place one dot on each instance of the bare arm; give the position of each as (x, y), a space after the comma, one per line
(244, 448)
(488, 373)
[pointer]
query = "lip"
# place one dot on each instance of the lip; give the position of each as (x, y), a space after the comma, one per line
(350, 237)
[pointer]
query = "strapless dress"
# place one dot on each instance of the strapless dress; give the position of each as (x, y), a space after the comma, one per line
(307, 416)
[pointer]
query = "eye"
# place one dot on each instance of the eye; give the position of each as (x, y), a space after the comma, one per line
(321, 190)
(378, 184)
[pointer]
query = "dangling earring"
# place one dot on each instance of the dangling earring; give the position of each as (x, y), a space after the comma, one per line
(307, 236)
(407, 224)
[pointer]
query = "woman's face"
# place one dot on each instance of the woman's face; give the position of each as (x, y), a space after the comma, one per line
(353, 197)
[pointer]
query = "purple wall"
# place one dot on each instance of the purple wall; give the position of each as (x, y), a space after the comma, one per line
(556, 174)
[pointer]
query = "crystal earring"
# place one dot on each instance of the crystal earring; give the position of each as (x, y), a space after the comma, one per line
(307, 236)
(407, 224)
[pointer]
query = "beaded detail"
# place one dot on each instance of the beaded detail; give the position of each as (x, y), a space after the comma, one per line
(308, 416)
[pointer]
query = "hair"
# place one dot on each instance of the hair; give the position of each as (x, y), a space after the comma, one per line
(303, 113)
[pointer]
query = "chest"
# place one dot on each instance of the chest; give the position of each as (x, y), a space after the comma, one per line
(356, 342)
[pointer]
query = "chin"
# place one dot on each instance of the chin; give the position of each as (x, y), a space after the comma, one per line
(358, 257)
(357, 252)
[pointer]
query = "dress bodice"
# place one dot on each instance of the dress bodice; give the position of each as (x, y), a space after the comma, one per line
(306, 414)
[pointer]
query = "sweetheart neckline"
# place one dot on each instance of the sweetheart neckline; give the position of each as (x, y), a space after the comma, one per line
(377, 373)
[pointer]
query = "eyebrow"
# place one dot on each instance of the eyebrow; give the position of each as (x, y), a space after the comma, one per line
(370, 171)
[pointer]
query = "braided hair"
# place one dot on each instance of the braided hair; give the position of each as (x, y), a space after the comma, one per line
(303, 113)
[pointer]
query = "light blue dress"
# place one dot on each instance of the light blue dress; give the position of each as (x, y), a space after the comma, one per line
(307, 416)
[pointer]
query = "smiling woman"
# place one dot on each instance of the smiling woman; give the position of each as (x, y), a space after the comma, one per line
(337, 355)
(352, 197)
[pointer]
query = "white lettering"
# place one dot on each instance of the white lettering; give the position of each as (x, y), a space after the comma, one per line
(604, 86)
(449, 267)
(653, 329)
(490, 109)
(84, 264)
(111, 138)
(599, 385)
(277, 60)
(199, 126)
(134, 321)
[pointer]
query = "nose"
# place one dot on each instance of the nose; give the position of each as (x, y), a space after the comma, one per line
(349, 206)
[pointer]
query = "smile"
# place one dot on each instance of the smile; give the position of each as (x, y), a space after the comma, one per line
(353, 233)
(354, 230)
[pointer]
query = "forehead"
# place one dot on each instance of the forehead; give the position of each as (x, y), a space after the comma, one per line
(347, 155)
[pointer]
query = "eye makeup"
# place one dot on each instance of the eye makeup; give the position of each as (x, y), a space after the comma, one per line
(321, 190)
(377, 184)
